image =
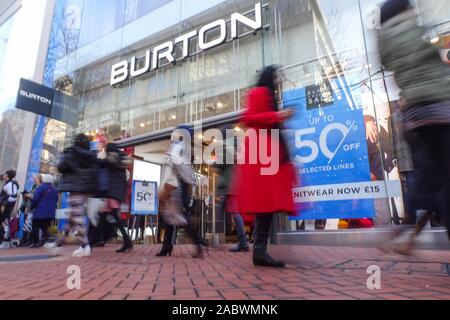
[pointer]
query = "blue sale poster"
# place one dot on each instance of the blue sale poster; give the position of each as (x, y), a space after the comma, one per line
(327, 140)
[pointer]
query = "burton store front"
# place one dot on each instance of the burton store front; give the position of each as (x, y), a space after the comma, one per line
(140, 68)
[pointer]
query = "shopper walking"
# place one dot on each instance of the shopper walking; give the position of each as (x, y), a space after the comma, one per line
(79, 169)
(262, 193)
(25, 209)
(43, 205)
(175, 196)
(8, 199)
(115, 164)
(224, 192)
(424, 81)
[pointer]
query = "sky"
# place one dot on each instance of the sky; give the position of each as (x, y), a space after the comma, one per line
(19, 43)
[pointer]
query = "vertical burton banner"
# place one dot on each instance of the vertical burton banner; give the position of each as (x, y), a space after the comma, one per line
(144, 199)
(328, 145)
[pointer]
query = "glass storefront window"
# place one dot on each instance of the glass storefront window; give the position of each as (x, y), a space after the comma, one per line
(330, 67)
(137, 8)
(93, 22)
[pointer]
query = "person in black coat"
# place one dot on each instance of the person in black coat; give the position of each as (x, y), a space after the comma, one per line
(8, 198)
(79, 169)
(115, 164)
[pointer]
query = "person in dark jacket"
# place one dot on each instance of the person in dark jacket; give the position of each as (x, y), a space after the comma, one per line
(225, 171)
(79, 169)
(25, 209)
(43, 205)
(424, 81)
(8, 198)
(116, 163)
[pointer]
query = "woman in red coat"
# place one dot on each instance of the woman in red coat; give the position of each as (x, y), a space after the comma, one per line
(264, 187)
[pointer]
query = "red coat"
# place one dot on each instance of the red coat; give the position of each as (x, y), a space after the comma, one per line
(257, 193)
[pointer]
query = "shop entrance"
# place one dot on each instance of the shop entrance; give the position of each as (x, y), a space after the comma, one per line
(206, 214)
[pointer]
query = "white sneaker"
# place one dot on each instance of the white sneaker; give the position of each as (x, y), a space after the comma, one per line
(5, 245)
(52, 247)
(82, 252)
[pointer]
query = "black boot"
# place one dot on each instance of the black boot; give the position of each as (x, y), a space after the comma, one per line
(167, 247)
(127, 242)
(262, 232)
(262, 259)
(165, 250)
(126, 247)
(199, 254)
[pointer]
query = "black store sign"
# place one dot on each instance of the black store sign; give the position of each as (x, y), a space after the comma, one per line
(319, 96)
(39, 99)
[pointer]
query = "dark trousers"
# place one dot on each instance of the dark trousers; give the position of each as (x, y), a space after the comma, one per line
(431, 148)
(98, 234)
(408, 181)
(126, 238)
(40, 225)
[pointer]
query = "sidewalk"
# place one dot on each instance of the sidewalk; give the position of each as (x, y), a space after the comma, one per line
(311, 273)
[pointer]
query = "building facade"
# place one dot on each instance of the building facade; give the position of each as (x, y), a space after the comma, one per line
(326, 50)
(23, 25)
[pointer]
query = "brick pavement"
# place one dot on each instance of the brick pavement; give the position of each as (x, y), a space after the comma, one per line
(312, 273)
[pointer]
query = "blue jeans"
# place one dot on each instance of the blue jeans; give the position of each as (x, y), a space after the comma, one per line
(240, 229)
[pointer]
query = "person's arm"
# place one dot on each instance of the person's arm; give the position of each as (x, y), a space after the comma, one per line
(7, 189)
(113, 159)
(37, 195)
(170, 183)
(371, 129)
(260, 110)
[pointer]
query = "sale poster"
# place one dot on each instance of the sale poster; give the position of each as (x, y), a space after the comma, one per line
(327, 140)
(144, 199)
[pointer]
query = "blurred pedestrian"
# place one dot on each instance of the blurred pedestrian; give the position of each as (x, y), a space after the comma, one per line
(79, 169)
(43, 205)
(224, 191)
(8, 198)
(25, 209)
(175, 195)
(424, 81)
(259, 193)
(116, 163)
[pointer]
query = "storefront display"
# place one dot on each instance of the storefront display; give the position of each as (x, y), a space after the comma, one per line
(205, 57)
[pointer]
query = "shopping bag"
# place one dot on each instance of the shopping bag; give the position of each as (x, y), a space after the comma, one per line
(172, 209)
(94, 207)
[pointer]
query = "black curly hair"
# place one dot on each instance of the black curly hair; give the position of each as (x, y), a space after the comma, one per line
(392, 8)
(83, 141)
(11, 174)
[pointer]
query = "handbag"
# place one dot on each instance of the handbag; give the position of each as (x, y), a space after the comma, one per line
(172, 209)
(94, 207)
